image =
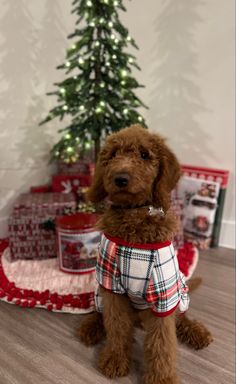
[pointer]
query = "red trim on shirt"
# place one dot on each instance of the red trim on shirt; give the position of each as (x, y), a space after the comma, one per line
(148, 246)
(164, 314)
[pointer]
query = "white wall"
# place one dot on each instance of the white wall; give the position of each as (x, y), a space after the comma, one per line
(187, 60)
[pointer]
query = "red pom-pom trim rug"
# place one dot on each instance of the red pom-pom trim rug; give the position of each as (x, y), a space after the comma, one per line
(40, 283)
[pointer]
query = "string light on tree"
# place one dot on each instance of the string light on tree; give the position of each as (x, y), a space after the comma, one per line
(69, 149)
(131, 60)
(98, 110)
(82, 108)
(62, 90)
(87, 145)
(101, 21)
(74, 158)
(65, 107)
(68, 64)
(97, 44)
(116, 3)
(123, 73)
(110, 24)
(89, 3)
(102, 85)
(114, 57)
(102, 103)
(67, 136)
(126, 111)
(140, 118)
(81, 61)
(128, 38)
(92, 24)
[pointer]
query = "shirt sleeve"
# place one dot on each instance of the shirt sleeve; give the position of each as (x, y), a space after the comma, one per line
(167, 289)
(107, 272)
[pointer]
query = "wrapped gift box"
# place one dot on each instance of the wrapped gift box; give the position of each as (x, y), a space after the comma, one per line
(178, 240)
(177, 208)
(80, 167)
(203, 191)
(77, 184)
(28, 238)
(41, 188)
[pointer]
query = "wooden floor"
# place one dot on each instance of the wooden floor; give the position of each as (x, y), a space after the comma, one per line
(39, 347)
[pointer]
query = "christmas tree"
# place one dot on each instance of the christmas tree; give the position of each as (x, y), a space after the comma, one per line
(98, 91)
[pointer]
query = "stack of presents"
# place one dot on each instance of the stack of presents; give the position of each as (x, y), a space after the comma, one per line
(30, 235)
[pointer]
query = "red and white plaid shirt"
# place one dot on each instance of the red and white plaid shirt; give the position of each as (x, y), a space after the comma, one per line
(149, 274)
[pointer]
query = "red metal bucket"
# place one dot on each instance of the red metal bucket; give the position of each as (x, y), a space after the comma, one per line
(78, 241)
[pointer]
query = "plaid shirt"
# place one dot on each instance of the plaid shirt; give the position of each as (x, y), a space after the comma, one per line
(149, 274)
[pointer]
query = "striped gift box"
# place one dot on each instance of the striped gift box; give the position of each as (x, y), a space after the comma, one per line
(28, 238)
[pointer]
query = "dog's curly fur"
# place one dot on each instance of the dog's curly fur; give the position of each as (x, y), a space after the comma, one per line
(152, 171)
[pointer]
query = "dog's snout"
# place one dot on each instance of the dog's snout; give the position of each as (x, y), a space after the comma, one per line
(121, 180)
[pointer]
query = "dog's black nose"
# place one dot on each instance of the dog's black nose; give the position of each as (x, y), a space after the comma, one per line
(121, 180)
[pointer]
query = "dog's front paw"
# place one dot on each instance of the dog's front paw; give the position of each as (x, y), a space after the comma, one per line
(113, 364)
(151, 378)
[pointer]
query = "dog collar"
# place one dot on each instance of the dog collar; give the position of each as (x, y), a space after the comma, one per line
(151, 210)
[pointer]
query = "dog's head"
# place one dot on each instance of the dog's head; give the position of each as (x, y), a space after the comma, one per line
(135, 167)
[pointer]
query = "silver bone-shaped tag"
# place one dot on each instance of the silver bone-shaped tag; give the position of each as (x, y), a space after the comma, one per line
(152, 211)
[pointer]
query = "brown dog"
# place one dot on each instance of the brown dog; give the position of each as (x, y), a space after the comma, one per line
(137, 170)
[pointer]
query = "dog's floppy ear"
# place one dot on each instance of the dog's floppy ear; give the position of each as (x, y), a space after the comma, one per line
(96, 192)
(168, 175)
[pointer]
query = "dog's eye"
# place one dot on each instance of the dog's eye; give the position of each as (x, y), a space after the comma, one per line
(144, 155)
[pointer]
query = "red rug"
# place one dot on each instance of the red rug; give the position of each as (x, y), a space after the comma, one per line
(40, 283)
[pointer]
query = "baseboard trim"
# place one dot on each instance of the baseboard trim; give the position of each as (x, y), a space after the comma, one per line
(227, 234)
